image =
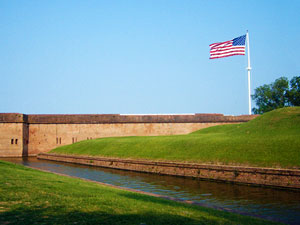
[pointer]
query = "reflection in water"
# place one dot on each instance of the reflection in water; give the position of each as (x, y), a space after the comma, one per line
(281, 205)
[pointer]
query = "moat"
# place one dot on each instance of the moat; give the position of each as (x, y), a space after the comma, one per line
(276, 204)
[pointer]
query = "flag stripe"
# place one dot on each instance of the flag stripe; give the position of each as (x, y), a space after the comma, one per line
(225, 55)
(228, 53)
(217, 57)
(220, 43)
(228, 48)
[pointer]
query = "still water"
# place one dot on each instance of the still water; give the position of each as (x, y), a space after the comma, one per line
(269, 203)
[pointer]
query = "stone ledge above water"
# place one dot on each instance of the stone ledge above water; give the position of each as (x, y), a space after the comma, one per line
(283, 178)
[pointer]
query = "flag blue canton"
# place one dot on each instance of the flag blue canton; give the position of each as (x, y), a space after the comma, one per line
(239, 40)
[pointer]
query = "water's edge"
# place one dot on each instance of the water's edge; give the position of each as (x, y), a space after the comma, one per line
(161, 196)
(280, 205)
(281, 178)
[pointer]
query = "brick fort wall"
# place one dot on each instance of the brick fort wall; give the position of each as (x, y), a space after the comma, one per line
(28, 135)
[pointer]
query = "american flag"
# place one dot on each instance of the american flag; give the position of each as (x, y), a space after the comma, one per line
(228, 48)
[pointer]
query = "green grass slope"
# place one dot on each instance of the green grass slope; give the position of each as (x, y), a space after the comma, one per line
(270, 140)
(30, 196)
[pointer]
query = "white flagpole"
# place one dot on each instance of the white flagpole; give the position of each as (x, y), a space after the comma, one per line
(249, 69)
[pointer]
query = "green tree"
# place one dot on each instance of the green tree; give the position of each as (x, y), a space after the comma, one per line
(272, 96)
(294, 92)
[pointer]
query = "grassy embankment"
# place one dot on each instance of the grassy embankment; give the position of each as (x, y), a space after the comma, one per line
(271, 140)
(30, 196)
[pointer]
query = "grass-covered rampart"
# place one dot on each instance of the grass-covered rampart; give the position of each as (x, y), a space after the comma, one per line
(30, 197)
(270, 140)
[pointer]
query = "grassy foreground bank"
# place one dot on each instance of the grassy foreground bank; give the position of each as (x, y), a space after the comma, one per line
(271, 140)
(30, 196)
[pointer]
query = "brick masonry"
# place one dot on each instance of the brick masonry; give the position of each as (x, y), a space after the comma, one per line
(283, 178)
(41, 133)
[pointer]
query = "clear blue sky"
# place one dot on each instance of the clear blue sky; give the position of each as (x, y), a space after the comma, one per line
(140, 56)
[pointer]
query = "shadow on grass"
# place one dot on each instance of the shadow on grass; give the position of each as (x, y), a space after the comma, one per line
(168, 201)
(164, 200)
(51, 216)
